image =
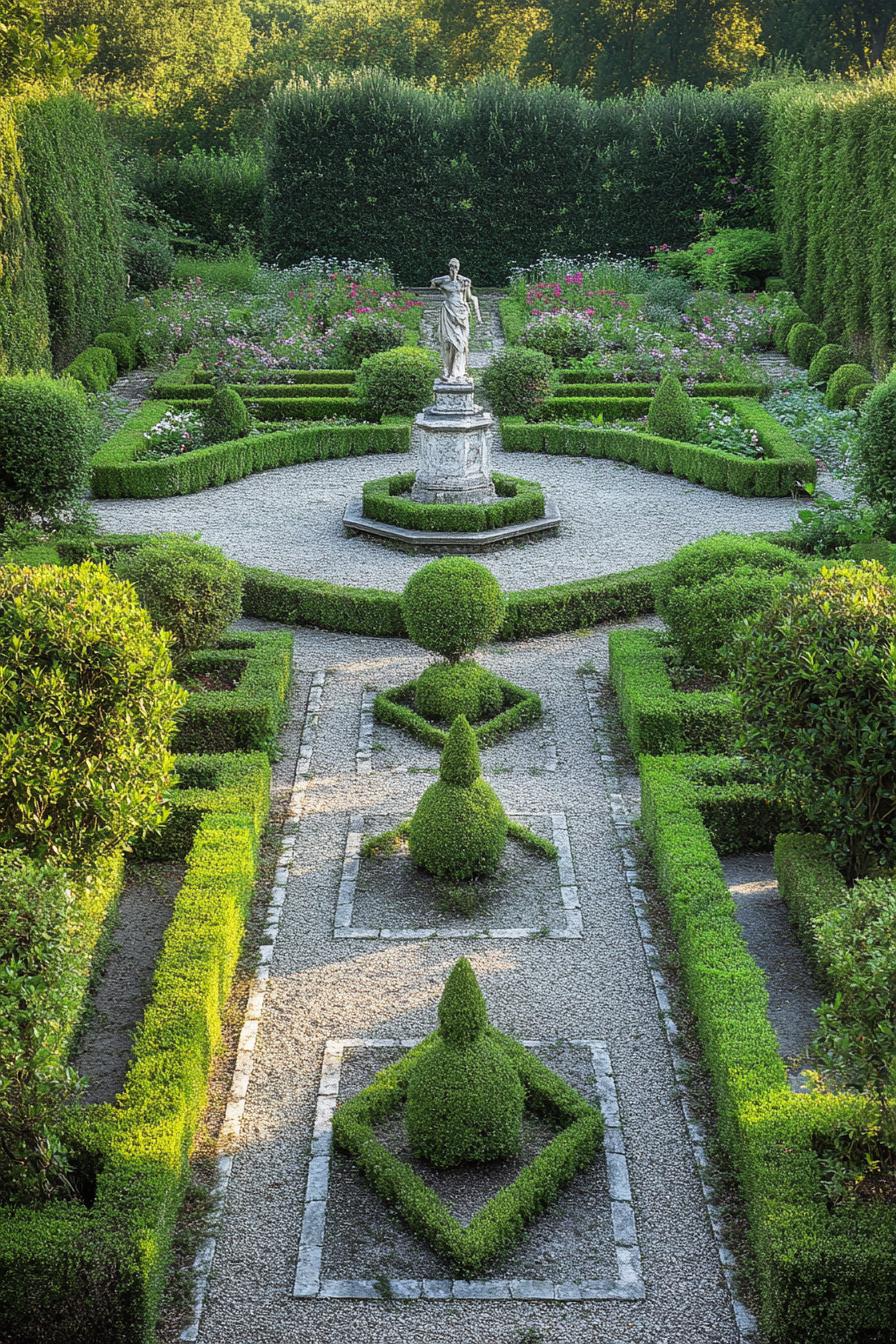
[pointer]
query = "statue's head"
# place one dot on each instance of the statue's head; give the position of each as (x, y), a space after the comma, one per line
(453, 267)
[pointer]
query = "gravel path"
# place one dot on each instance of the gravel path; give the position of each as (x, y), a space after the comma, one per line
(598, 986)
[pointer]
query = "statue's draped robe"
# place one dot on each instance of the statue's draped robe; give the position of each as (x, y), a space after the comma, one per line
(454, 322)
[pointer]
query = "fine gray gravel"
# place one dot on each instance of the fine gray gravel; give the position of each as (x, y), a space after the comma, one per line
(595, 988)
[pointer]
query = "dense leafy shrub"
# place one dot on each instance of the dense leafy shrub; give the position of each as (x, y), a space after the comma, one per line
(225, 418)
(218, 194)
(452, 605)
(518, 381)
(804, 340)
(94, 368)
(858, 395)
(355, 337)
(671, 413)
(876, 447)
(702, 561)
(87, 708)
(149, 257)
(396, 382)
(705, 620)
(445, 690)
(459, 828)
(36, 989)
(464, 1098)
(561, 337)
(122, 348)
(188, 588)
(75, 206)
(738, 259)
(841, 383)
(24, 321)
(825, 362)
(47, 436)
(784, 325)
(815, 681)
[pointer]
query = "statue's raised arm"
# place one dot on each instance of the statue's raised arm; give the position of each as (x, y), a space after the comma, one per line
(454, 321)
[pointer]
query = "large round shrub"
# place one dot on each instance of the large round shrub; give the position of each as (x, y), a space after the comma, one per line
(187, 587)
(464, 1097)
(825, 362)
(397, 382)
(47, 436)
(562, 336)
(817, 690)
(518, 381)
(355, 337)
(87, 707)
(841, 383)
(783, 325)
(804, 340)
(459, 829)
(671, 413)
(121, 346)
(445, 690)
(701, 561)
(452, 605)
(225, 418)
(705, 619)
(876, 446)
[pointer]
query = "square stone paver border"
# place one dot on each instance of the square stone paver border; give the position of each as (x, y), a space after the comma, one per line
(627, 1287)
(571, 928)
(366, 728)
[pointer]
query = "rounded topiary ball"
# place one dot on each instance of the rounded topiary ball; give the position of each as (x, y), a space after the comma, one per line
(446, 690)
(841, 383)
(450, 606)
(464, 1099)
(518, 381)
(396, 382)
(804, 340)
(47, 437)
(825, 362)
(459, 828)
(187, 587)
(783, 325)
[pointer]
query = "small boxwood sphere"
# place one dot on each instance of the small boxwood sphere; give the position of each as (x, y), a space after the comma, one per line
(825, 362)
(804, 340)
(446, 690)
(464, 1099)
(459, 828)
(671, 413)
(841, 383)
(396, 382)
(187, 587)
(450, 606)
(784, 324)
(47, 436)
(518, 381)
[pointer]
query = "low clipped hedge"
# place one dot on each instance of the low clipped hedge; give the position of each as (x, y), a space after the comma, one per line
(249, 717)
(118, 474)
(200, 374)
(786, 467)
(289, 407)
(809, 883)
(396, 707)
(579, 383)
(500, 1223)
(388, 501)
(814, 1261)
(199, 393)
(658, 718)
(77, 1274)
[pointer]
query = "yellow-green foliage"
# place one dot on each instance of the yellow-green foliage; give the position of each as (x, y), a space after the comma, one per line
(24, 324)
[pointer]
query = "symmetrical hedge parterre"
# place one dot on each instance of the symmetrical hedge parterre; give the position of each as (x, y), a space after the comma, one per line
(395, 707)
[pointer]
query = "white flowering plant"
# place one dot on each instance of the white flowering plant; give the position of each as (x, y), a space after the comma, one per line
(177, 432)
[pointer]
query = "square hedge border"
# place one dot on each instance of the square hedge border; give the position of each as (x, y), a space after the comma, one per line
(248, 717)
(521, 707)
(658, 718)
(815, 1263)
(508, 1212)
(73, 1273)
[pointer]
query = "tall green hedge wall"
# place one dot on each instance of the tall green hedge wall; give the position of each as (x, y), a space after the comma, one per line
(77, 217)
(832, 162)
(366, 166)
(24, 322)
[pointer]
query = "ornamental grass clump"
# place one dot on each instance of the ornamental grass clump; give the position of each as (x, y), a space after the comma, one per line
(671, 413)
(815, 676)
(459, 829)
(464, 1097)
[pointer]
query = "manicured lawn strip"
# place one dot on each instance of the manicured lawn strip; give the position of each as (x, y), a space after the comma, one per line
(520, 707)
(814, 1262)
(72, 1274)
(502, 1220)
(116, 474)
(659, 718)
(387, 500)
(784, 469)
(249, 717)
(809, 883)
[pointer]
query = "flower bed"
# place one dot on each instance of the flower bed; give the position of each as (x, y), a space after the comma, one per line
(388, 501)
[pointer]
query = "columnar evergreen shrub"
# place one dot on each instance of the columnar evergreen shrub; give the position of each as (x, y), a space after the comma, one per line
(47, 437)
(518, 381)
(452, 605)
(459, 828)
(188, 588)
(464, 1095)
(87, 708)
(225, 417)
(396, 382)
(814, 675)
(841, 383)
(876, 446)
(671, 413)
(24, 320)
(804, 340)
(825, 362)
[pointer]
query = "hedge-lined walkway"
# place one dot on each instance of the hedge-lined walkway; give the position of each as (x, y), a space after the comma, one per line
(321, 988)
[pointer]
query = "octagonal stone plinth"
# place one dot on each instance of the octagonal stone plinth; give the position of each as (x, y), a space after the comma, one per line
(454, 448)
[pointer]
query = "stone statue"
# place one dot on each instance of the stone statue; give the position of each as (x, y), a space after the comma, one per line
(454, 321)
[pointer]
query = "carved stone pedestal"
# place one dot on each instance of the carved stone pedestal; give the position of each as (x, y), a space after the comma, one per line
(454, 465)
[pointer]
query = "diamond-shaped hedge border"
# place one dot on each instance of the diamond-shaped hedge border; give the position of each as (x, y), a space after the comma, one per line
(394, 707)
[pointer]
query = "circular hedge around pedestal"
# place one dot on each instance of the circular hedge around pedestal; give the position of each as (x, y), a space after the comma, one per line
(387, 500)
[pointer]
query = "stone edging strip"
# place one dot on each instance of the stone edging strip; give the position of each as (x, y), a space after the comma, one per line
(569, 893)
(745, 1321)
(236, 1100)
(628, 1287)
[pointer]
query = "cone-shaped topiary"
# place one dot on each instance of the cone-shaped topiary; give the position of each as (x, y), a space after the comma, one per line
(225, 416)
(464, 1099)
(671, 413)
(445, 690)
(452, 605)
(459, 829)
